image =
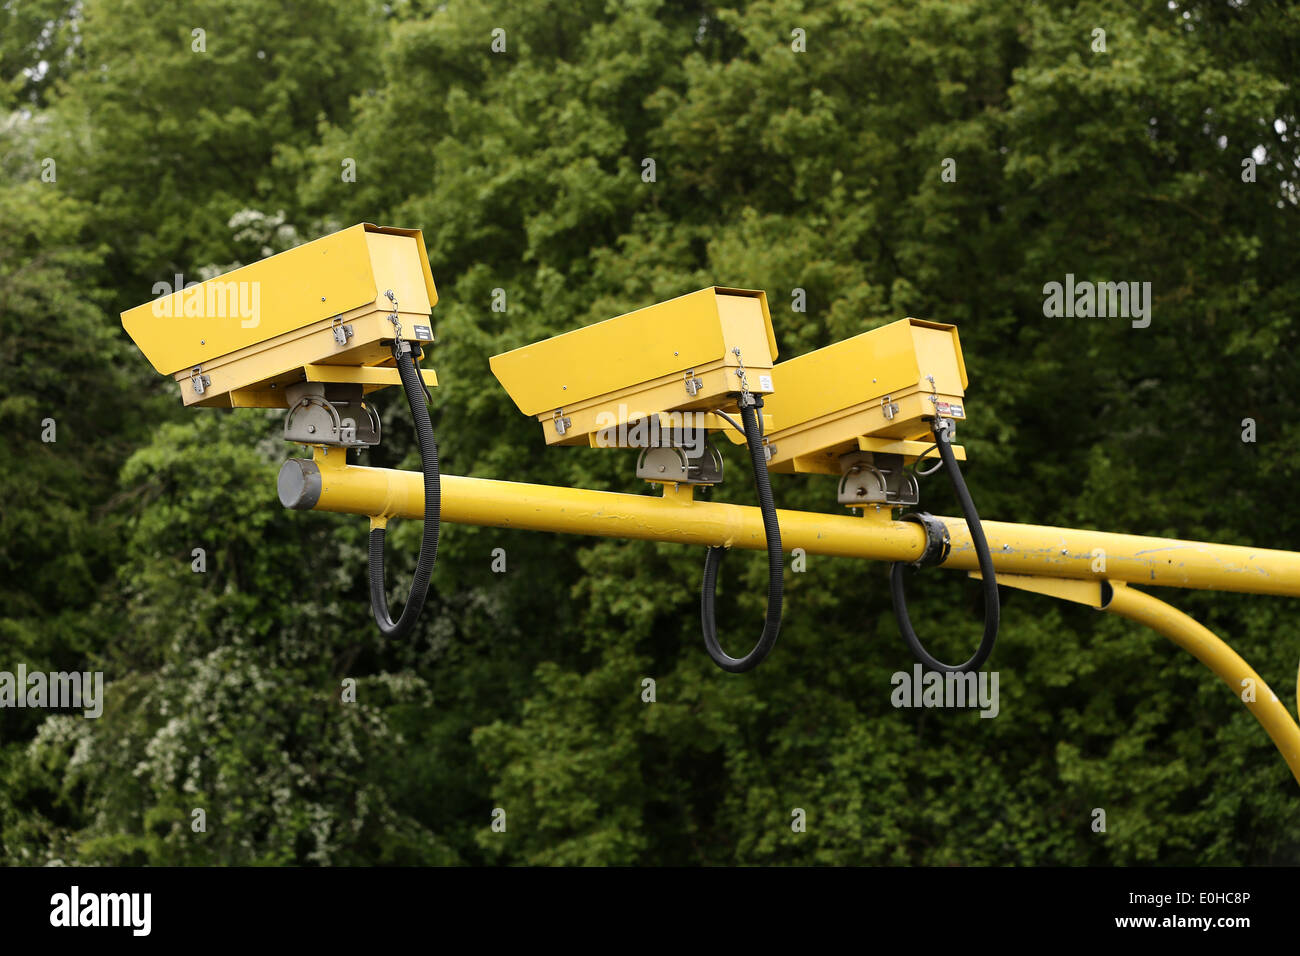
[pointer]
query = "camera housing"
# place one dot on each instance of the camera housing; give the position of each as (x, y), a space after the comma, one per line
(861, 408)
(316, 315)
(665, 368)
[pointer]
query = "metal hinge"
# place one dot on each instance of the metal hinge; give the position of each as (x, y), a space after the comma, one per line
(561, 423)
(341, 332)
(693, 384)
(199, 380)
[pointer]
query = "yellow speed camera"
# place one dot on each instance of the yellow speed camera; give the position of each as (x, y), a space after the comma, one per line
(314, 315)
(661, 378)
(874, 392)
(862, 408)
(687, 356)
(313, 330)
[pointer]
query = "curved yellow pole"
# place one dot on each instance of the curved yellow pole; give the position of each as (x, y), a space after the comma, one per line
(1211, 651)
(1117, 598)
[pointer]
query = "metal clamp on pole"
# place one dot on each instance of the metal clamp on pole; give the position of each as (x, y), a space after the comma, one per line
(936, 551)
(937, 540)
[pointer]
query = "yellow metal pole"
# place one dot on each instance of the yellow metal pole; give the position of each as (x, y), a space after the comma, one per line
(1117, 598)
(676, 516)
(329, 484)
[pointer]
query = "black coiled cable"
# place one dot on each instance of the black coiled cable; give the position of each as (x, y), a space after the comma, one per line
(413, 385)
(775, 563)
(992, 604)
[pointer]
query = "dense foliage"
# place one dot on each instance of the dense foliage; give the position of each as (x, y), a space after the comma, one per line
(775, 169)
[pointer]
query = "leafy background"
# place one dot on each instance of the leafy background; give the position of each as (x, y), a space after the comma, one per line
(776, 170)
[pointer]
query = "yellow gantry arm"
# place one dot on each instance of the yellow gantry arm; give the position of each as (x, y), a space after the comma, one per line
(327, 483)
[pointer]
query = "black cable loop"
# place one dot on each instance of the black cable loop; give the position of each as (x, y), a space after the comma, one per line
(992, 604)
(413, 385)
(749, 415)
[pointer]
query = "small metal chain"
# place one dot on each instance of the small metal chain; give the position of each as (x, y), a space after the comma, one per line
(946, 424)
(397, 341)
(744, 382)
(942, 426)
(392, 317)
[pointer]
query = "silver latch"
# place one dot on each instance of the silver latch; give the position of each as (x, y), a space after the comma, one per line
(341, 332)
(890, 408)
(199, 380)
(561, 423)
(693, 384)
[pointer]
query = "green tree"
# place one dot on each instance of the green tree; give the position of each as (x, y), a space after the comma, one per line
(776, 169)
